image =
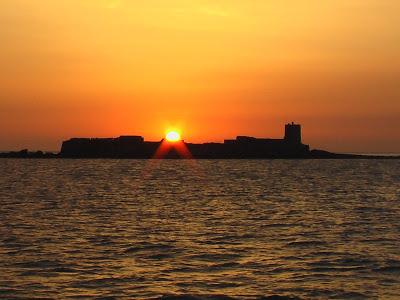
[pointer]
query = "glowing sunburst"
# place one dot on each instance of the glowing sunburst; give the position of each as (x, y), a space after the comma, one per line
(173, 136)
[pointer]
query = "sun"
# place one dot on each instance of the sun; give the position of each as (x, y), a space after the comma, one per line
(173, 136)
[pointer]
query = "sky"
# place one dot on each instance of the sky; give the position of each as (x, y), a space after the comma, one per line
(211, 69)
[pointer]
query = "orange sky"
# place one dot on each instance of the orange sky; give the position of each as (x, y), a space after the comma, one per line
(213, 69)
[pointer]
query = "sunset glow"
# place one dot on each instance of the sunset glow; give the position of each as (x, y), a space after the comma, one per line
(173, 136)
(104, 68)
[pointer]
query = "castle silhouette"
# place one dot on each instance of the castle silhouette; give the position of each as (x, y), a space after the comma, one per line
(290, 146)
(135, 146)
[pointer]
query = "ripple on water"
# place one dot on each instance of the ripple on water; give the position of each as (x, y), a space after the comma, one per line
(239, 229)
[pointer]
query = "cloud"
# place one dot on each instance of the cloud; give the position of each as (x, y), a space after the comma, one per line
(203, 10)
(113, 3)
(213, 11)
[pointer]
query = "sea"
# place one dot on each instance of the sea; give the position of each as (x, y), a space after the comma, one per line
(199, 229)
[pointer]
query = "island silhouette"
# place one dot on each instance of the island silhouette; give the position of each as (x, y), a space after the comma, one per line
(243, 147)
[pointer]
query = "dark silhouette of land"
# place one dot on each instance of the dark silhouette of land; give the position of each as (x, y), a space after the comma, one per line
(243, 147)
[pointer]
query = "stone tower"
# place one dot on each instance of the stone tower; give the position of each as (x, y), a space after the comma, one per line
(293, 133)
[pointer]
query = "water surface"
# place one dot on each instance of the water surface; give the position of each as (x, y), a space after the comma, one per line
(315, 229)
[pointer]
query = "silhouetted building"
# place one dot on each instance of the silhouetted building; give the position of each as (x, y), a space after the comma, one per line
(241, 147)
(293, 133)
(290, 146)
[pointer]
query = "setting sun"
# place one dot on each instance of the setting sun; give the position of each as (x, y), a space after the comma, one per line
(173, 136)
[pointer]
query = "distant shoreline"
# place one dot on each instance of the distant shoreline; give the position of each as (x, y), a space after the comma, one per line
(329, 155)
(242, 147)
(325, 156)
(374, 154)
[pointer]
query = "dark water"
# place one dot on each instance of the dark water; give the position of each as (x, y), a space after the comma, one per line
(141, 229)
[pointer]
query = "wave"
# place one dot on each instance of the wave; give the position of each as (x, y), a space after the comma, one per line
(224, 297)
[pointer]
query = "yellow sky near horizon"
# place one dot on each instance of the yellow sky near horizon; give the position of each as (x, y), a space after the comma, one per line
(214, 69)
